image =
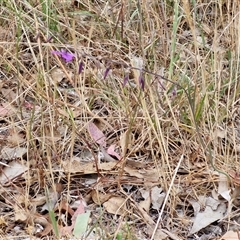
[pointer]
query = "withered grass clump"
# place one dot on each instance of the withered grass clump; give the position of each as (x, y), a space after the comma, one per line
(158, 78)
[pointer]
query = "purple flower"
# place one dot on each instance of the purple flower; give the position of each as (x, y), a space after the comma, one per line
(126, 79)
(80, 68)
(141, 81)
(174, 91)
(49, 39)
(67, 56)
(37, 36)
(106, 72)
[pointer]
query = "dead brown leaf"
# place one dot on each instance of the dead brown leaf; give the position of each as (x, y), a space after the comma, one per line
(99, 197)
(80, 210)
(111, 151)
(74, 112)
(157, 196)
(38, 200)
(20, 214)
(47, 229)
(145, 215)
(12, 152)
(4, 111)
(15, 139)
(57, 75)
(97, 134)
(63, 205)
(230, 235)
(133, 172)
(145, 204)
(106, 156)
(87, 168)
(7, 109)
(12, 171)
(115, 205)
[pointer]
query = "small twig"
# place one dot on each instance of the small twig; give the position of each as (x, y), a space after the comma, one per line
(94, 155)
(166, 198)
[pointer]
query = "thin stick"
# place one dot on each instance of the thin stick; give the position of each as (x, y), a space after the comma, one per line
(166, 198)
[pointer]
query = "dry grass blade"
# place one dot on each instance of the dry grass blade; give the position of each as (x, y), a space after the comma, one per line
(166, 198)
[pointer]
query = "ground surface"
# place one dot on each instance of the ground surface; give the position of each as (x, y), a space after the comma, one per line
(119, 119)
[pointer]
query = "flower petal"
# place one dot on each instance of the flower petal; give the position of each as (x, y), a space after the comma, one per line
(141, 81)
(80, 68)
(67, 56)
(106, 72)
(126, 79)
(57, 53)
